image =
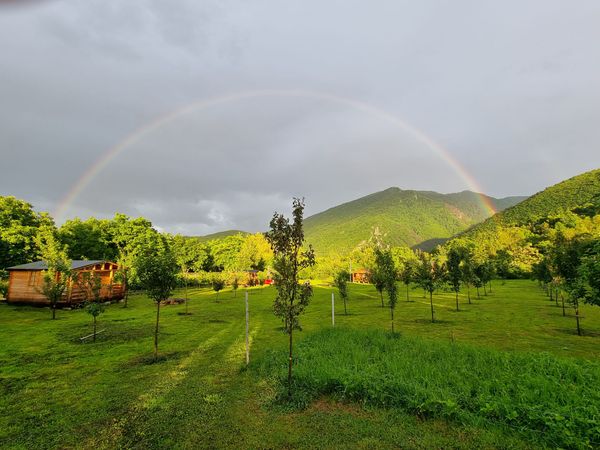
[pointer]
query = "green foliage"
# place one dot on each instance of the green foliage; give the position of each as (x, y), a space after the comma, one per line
(408, 217)
(19, 226)
(386, 269)
(157, 268)
(287, 240)
(3, 288)
(430, 275)
(556, 400)
(56, 278)
(89, 239)
(218, 283)
(341, 283)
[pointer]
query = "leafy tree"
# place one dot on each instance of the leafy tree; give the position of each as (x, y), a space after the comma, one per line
(386, 267)
(157, 269)
(235, 284)
(468, 270)
(89, 239)
(19, 227)
(56, 277)
(341, 283)
(430, 276)
(455, 273)
(255, 253)
(286, 240)
(185, 259)
(407, 274)
(217, 284)
(378, 280)
(589, 271)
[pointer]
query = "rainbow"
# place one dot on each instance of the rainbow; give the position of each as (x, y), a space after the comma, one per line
(105, 159)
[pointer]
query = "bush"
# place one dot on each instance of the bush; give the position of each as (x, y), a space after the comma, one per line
(3, 288)
(555, 401)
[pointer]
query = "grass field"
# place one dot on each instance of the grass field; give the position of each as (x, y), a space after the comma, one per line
(58, 393)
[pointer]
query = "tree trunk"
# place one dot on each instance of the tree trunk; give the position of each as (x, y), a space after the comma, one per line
(53, 311)
(392, 312)
(345, 308)
(490, 285)
(290, 365)
(551, 294)
(156, 331)
(431, 303)
(456, 300)
(469, 292)
(407, 297)
(577, 318)
(478, 296)
(94, 329)
(484, 290)
(562, 299)
(556, 296)
(381, 295)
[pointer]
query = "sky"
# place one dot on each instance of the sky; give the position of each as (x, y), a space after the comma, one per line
(207, 116)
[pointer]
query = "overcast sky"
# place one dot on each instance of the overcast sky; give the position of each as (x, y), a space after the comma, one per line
(511, 89)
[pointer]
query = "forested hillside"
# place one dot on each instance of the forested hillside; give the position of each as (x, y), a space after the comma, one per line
(406, 217)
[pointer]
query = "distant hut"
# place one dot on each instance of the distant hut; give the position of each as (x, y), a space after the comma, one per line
(25, 282)
(360, 276)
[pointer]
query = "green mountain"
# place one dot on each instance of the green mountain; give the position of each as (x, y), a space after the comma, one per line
(410, 218)
(554, 200)
(219, 235)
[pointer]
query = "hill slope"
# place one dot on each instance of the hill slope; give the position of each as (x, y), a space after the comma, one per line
(406, 217)
(219, 235)
(564, 196)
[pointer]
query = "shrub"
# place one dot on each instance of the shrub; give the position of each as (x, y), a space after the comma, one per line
(3, 288)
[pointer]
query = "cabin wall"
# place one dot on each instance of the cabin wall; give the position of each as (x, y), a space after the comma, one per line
(26, 286)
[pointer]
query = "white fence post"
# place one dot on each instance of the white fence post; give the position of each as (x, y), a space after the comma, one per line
(332, 310)
(247, 331)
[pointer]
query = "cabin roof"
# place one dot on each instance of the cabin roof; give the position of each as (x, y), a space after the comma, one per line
(42, 265)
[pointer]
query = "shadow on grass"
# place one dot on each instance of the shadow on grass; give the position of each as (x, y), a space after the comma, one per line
(573, 331)
(217, 321)
(183, 313)
(147, 360)
(437, 321)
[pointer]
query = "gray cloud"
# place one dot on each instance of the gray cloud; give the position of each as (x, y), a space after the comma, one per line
(510, 89)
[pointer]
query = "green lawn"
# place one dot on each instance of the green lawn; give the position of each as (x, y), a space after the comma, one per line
(56, 392)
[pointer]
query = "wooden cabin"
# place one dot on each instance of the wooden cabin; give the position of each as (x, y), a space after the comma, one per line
(25, 282)
(361, 276)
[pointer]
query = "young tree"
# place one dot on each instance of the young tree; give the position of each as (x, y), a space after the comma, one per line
(407, 275)
(90, 285)
(341, 283)
(430, 276)
(57, 276)
(157, 269)
(286, 240)
(235, 284)
(468, 270)
(185, 259)
(455, 274)
(217, 284)
(386, 267)
(378, 280)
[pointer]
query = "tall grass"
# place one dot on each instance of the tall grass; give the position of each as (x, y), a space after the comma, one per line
(557, 401)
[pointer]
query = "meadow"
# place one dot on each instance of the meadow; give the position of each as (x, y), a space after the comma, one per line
(56, 392)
